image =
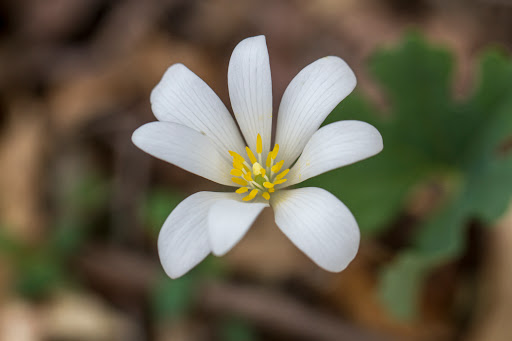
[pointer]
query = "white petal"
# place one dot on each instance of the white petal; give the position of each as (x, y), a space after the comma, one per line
(318, 224)
(183, 240)
(250, 90)
(333, 146)
(182, 97)
(184, 147)
(307, 101)
(229, 221)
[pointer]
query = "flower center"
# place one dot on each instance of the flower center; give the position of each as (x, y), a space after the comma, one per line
(253, 176)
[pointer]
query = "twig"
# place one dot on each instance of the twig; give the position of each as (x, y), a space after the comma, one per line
(277, 312)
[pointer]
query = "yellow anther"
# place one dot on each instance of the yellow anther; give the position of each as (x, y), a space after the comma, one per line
(239, 181)
(251, 195)
(271, 190)
(242, 190)
(275, 151)
(247, 176)
(269, 159)
(236, 157)
(275, 168)
(236, 172)
(250, 154)
(237, 165)
(282, 174)
(266, 196)
(257, 169)
(278, 182)
(268, 184)
(263, 172)
(259, 144)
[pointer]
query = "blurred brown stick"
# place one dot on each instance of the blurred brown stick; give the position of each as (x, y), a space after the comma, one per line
(280, 313)
(126, 275)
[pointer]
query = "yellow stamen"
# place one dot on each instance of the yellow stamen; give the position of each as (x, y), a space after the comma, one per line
(247, 176)
(237, 165)
(275, 151)
(236, 157)
(259, 144)
(251, 195)
(275, 168)
(239, 181)
(268, 184)
(246, 166)
(252, 176)
(282, 174)
(236, 172)
(250, 154)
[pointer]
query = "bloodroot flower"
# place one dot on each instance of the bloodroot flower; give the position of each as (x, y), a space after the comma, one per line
(196, 132)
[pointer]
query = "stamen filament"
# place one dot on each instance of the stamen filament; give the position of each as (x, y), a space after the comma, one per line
(247, 176)
(246, 165)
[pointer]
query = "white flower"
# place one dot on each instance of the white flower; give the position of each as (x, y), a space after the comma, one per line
(196, 132)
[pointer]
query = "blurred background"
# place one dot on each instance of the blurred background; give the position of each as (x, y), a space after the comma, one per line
(81, 207)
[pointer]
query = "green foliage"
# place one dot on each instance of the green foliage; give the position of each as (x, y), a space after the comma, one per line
(80, 203)
(38, 274)
(235, 329)
(41, 268)
(429, 136)
(174, 298)
(157, 208)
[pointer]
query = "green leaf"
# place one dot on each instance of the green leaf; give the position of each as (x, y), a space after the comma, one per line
(158, 206)
(417, 79)
(401, 284)
(38, 275)
(174, 298)
(428, 136)
(470, 133)
(9, 246)
(235, 329)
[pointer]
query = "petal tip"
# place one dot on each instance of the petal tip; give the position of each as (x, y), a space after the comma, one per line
(138, 134)
(260, 41)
